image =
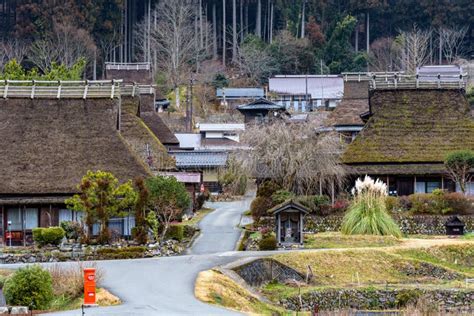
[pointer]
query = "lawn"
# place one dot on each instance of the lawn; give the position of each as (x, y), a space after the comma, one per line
(337, 240)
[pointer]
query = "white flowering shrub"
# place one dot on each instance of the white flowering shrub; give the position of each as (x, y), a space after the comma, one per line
(367, 214)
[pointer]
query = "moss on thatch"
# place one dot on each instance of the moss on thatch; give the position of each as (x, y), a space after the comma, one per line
(48, 145)
(413, 126)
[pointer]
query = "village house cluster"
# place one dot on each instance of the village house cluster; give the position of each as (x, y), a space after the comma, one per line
(397, 128)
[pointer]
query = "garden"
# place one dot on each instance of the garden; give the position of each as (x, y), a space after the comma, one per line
(165, 223)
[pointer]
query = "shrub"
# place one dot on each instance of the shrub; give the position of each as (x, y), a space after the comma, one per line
(131, 252)
(393, 203)
(31, 286)
(175, 232)
(52, 235)
(317, 204)
(407, 296)
(73, 230)
(202, 198)
(259, 207)
(267, 243)
(340, 206)
(367, 214)
(440, 203)
(3, 279)
(267, 188)
(459, 203)
(48, 236)
(69, 280)
(281, 196)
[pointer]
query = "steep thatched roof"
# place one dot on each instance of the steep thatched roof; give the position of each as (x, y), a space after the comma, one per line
(48, 145)
(354, 102)
(142, 139)
(154, 122)
(413, 126)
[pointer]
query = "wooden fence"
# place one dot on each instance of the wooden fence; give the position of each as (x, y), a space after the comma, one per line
(127, 66)
(35, 89)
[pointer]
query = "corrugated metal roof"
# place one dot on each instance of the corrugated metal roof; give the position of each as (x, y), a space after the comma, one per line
(240, 93)
(319, 87)
(200, 159)
(446, 72)
(189, 140)
(221, 127)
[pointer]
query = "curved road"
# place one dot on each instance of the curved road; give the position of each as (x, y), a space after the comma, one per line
(165, 286)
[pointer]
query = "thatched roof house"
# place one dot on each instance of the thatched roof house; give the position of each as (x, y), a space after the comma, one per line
(408, 135)
(49, 144)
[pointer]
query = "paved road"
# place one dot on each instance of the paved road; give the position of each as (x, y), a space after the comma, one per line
(165, 286)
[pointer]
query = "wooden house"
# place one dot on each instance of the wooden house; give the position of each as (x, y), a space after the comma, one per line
(261, 111)
(408, 134)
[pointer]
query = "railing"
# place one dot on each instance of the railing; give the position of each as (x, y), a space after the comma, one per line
(135, 90)
(37, 89)
(127, 66)
(366, 76)
(423, 81)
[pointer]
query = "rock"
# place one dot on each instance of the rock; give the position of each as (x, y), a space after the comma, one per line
(65, 249)
(18, 310)
(4, 310)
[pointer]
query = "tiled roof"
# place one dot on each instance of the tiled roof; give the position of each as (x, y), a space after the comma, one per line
(261, 104)
(200, 159)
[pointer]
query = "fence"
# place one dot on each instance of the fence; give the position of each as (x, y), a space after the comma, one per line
(424, 81)
(365, 76)
(35, 89)
(127, 66)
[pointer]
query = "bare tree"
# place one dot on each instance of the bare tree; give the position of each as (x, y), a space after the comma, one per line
(293, 155)
(384, 55)
(452, 42)
(255, 61)
(12, 49)
(414, 49)
(174, 42)
(66, 45)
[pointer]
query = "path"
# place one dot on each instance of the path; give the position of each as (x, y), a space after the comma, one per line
(165, 286)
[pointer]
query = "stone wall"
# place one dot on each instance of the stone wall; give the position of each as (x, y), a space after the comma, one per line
(372, 299)
(409, 224)
(261, 271)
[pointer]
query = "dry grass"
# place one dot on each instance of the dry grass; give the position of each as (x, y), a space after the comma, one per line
(69, 280)
(105, 298)
(338, 240)
(215, 288)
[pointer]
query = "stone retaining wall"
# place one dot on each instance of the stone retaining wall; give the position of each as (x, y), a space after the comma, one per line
(373, 299)
(261, 271)
(409, 224)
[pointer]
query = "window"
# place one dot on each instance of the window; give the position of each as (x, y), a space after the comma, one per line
(31, 218)
(432, 185)
(65, 215)
(14, 217)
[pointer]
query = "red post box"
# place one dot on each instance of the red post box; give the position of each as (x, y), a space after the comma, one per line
(89, 287)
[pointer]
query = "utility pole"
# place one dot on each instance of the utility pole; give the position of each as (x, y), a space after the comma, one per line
(189, 105)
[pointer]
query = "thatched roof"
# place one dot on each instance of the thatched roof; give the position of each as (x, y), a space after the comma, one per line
(154, 122)
(354, 102)
(142, 139)
(49, 145)
(413, 126)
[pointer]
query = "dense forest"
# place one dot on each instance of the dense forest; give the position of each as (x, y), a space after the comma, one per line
(250, 38)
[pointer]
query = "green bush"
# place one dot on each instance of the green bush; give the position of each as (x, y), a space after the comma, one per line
(268, 242)
(259, 207)
(48, 236)
(73, 230)
(392, 203)
(175, 232)
(131, 252)
(440, 203)
(189, 231)
(407, 296)
(281, 196)
(317, 204)
(31, 286)
(267, 188)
